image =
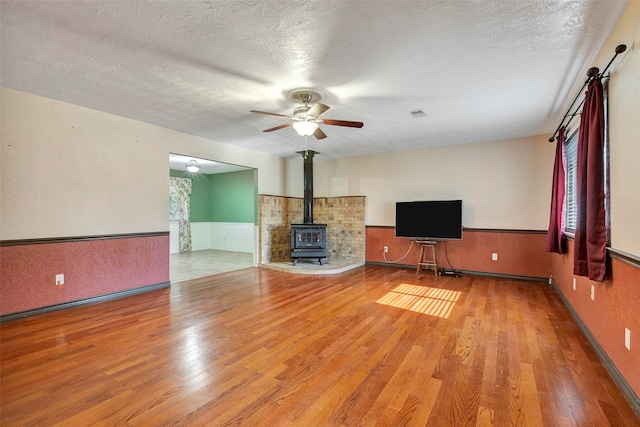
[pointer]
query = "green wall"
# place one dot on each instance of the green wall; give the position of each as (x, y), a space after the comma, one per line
(233, 197)
(224, 197)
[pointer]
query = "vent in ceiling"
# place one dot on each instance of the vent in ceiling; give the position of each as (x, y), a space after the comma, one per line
(417, 113)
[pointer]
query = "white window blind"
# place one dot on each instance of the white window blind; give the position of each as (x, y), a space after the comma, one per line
(571, 160)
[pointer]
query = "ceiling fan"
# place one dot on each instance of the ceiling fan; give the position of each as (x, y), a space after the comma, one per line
(306, 118)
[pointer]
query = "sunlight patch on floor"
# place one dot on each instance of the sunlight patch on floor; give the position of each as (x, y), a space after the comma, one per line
(422, 299)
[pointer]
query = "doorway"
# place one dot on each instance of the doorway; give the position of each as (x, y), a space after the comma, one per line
(221, 221)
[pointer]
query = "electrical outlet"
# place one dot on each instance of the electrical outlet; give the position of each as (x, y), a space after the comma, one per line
(627, 338)
(593, 293)
(494, 256)
(59, 279)
(574, 283)
(385, 249)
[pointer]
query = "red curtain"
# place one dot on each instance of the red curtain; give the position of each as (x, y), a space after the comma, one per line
(591, 233)
(555, 236)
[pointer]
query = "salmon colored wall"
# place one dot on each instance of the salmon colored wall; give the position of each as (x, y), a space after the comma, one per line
(520, 253)
(91, 268)
(614, 308)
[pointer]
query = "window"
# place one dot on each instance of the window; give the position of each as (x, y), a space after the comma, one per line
(173, 206)
(570, 204)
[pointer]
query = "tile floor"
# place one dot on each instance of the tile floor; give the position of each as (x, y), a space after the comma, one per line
(196, 264)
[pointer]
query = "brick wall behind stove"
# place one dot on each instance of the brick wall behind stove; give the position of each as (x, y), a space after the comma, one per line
(275, 216)
(344, 217)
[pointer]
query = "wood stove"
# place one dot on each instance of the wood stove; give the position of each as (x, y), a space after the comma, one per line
(308, 240)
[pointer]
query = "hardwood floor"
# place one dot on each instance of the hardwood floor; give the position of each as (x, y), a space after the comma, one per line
(373, 346)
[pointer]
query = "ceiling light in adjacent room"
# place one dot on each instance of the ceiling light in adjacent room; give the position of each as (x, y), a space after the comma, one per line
(305, 128)
(193, 166)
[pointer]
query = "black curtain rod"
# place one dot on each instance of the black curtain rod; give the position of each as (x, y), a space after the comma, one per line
(592, 73)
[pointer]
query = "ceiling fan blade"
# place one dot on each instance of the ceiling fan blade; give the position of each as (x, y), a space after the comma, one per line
(318, 109)
(343, 123)
(286, 125)
(319, 134)
(271, 114)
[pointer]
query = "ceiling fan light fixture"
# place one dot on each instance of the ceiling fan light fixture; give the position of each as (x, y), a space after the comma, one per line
(305, 128)
(193, 166)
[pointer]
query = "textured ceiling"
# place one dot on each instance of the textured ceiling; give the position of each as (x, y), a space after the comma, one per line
(179, 163)
(480, 70)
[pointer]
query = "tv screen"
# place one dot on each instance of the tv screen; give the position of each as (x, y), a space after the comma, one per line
(429, 220)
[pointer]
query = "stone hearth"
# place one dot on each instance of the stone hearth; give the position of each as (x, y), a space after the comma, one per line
(308, 267)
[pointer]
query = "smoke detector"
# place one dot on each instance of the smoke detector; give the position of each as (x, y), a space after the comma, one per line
(417, 113)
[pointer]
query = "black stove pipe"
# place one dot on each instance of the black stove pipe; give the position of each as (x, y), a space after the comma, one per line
(307, 155)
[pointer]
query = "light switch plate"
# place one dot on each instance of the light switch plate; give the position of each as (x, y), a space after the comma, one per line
(627, 338)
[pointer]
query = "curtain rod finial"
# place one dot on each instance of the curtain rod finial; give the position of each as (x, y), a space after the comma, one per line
(621, 48)
(552, 139)
(593, 71)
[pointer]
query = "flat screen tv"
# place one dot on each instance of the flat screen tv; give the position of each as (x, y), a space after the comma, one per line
(429, 220)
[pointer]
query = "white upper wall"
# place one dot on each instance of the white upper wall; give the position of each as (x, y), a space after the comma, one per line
(624, 131)
(503, 184)
(72, 171)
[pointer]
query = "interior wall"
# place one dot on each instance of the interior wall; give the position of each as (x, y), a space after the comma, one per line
(614, 305)
(503, 184)
(276, 214)
(613, 308)
(91, 268)
(271, 170)
(71, 171)
(223, 211)
(68, 171)
(222, 197)
(233, 197)
(519, 253)
(624, 130)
